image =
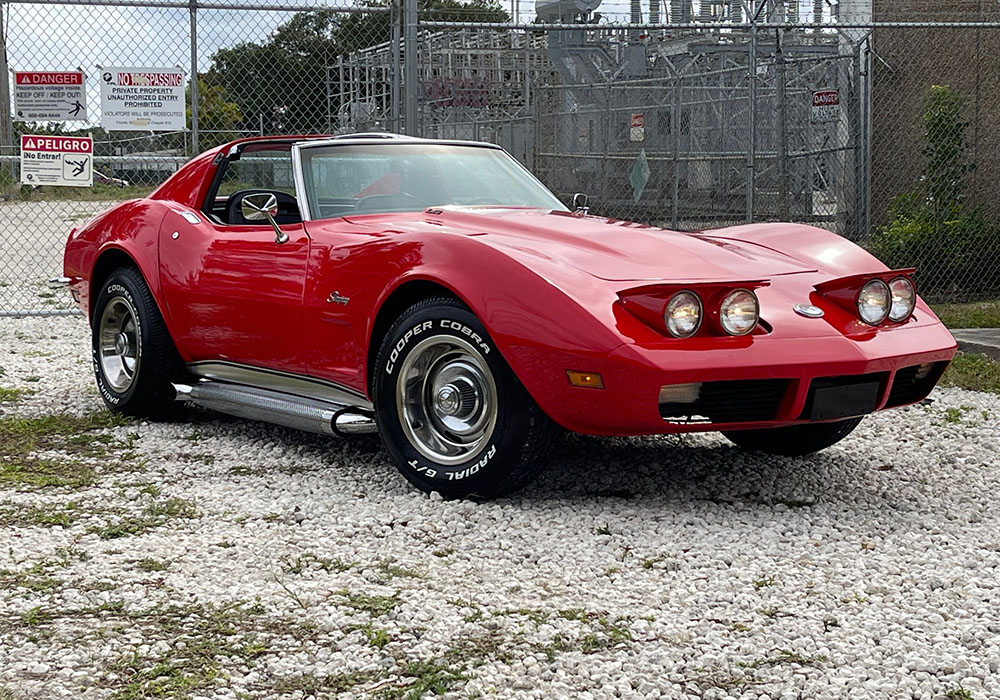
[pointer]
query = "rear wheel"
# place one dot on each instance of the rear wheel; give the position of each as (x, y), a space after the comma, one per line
(795, 440)
(452, 414)
(134, 357)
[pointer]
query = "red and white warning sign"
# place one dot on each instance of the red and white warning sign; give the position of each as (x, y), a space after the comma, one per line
(63, 161)
(825, 106)
(637, 128)
(50, 96)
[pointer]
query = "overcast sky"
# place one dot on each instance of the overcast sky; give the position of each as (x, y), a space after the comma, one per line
(64, 37)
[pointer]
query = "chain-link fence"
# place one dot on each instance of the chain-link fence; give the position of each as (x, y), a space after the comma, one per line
(709, 115)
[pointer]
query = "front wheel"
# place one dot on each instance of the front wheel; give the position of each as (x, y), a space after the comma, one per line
(134, 356)
(793, 441)
(452, 414)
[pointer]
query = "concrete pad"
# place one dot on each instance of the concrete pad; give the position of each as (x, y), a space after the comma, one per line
(981, 340)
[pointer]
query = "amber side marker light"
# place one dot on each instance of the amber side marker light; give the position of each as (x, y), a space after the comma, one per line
(591, 380)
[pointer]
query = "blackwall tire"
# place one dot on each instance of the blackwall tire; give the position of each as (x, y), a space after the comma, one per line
(451, 413)
(796, 440)
(134, 357)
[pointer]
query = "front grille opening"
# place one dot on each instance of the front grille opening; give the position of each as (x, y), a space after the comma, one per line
(912, 384)
(812, 411)
(738, 401)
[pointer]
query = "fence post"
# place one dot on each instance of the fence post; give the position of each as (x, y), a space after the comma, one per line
(865, 155)
(752, 147)
(6, 126)
(411, 71)
(193, 11)
(675, 131)
(782, 138)
(395, 18)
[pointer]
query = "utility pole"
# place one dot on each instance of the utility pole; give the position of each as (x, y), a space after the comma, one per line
(6, 126)
(411, 72)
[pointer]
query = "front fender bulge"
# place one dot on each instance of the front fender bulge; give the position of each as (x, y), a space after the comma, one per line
(814, 246)
(540, 329)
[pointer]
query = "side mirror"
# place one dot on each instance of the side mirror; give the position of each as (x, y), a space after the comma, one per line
(580, 203)
(263, 206)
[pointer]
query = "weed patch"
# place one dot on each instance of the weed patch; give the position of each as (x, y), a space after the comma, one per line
(152, 516)
(76, 437)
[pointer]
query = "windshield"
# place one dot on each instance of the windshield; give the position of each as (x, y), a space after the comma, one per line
(372, 178)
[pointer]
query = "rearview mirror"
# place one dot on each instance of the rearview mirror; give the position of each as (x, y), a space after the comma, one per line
(262, 206)
(259, 207)
(580, 203)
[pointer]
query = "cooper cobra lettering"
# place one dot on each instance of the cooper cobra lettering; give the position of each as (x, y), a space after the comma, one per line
(401, 343)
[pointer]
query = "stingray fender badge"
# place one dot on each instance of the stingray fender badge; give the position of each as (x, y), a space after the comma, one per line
(335, 298)
(808, 310)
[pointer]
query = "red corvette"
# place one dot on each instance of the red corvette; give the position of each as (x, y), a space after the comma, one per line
(436, 292)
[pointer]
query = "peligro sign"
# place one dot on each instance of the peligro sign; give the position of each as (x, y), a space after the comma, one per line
(57, 144)
(57, 161)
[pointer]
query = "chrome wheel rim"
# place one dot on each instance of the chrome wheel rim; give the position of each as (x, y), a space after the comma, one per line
(446, 399)
(118, 344)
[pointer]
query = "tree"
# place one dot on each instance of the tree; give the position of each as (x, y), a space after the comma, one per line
(218, 118)
(281, 85)
(955, 249)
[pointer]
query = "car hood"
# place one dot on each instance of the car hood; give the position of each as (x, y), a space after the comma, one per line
(613, 250)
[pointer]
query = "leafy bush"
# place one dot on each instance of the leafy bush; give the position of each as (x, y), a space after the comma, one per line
(955, 250)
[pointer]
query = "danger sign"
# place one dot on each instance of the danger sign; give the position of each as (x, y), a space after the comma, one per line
(825, 105)
(61, 161)
(50, 96)
(637, 128)
(142, 99)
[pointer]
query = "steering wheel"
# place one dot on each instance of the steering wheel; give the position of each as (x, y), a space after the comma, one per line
(288, 207)
(400, 201)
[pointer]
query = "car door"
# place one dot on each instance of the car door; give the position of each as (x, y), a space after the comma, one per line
(352, 258)
(232, 290)
(349, 268)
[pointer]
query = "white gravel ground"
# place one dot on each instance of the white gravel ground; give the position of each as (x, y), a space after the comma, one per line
(224, 559)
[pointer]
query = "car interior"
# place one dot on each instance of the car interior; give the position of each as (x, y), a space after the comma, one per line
(352, 183)
(258, 168)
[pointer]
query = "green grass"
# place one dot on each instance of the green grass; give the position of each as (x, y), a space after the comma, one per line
(784, 656)
(375, 637)
(75, 436)
(209, 633)
(96, 193)
(151, 565)
(10, 395)
(323, 686)
(152, 516)
(374, 605)
(435, 677)
(34, 579)
(977, 314)
(973, 371)
(13, 515)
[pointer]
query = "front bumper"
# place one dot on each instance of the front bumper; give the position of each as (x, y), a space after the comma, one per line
(633, 375)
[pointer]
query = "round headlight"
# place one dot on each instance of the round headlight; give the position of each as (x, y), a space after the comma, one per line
(874, 302)
(904, 297)
(683, 314)
(739, 312)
